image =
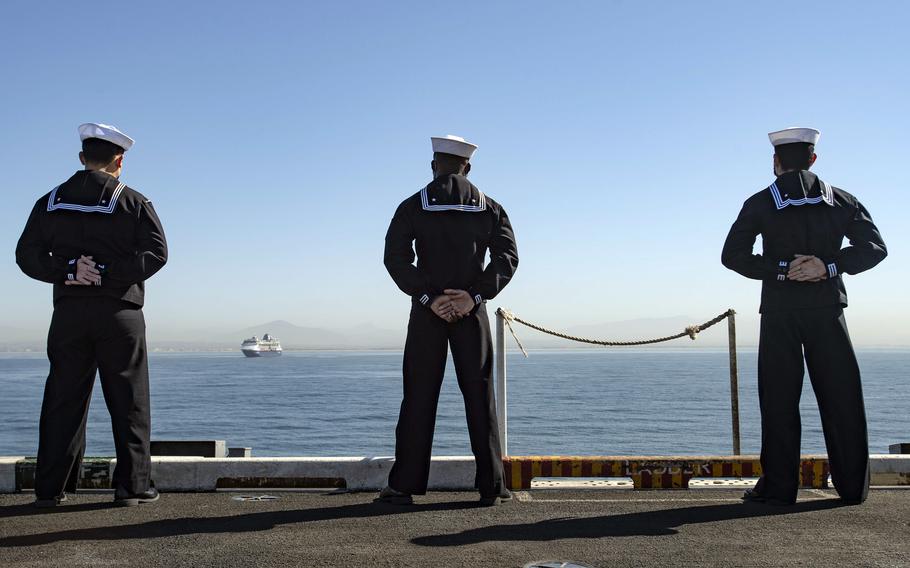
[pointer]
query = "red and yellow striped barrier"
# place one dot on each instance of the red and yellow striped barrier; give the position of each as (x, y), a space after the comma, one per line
(657, 472)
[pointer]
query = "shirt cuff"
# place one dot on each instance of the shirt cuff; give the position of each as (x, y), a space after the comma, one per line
(783, 267)
(71, 269)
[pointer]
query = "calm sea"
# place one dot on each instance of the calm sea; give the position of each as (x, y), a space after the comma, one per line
(559, 402)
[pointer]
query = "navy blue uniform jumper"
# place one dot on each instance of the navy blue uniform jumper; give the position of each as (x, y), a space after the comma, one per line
(453, 226)
(801, 214)
(94, 328)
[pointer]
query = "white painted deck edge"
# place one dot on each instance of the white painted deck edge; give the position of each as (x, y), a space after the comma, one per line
(359, 473)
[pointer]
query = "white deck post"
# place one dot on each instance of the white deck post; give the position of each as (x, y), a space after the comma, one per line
(501, 414)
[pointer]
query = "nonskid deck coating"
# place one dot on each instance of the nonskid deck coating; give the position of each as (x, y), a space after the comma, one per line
(599, 527)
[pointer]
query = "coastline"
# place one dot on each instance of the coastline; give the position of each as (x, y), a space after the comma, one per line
(511, 350)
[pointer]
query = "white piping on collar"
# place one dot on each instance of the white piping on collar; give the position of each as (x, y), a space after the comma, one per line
(425, 203)
(53, 203)
(827, 195)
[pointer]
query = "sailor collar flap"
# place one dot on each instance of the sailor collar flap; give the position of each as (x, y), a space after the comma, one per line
(452, 193)
(800, 188)
(86, 192)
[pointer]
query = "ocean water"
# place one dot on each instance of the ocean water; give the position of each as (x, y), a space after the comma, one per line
(620, 401)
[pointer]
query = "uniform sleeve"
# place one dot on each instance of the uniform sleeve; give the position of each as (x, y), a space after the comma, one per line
(149, 256)
(33, 252)
(866, 246)
(503, 261)
(399, 259)
(737, 254)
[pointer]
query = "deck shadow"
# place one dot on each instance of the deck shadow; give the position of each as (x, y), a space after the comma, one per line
(646, 523)
(249, 522)
(27, 509)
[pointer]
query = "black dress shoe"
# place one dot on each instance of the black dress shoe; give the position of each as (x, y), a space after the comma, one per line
(123, 499)
(493, 500)
(393, 496)
(49, 503)
(753, 496)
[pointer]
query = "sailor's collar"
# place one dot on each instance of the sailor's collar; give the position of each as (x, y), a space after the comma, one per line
(452, 193)
(800, 188)
(87, 192)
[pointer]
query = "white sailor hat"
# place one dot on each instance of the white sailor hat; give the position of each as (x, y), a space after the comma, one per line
(793, 135)
(455, 145)
(105, 132)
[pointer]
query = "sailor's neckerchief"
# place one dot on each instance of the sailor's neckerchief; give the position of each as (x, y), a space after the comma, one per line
(800, 188)
(452, 193)
(88, 191)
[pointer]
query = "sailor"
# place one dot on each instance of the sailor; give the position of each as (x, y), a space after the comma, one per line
(803, 222)
(453, 225)
(97, 241)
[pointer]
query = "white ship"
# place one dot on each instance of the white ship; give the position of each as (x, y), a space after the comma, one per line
(268, 346)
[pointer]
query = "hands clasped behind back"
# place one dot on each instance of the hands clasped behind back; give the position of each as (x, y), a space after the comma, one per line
(86, 273)
(452, 305)
(807, 268)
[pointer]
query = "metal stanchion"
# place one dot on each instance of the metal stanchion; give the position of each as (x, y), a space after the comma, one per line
(501, 414)
(734, 381)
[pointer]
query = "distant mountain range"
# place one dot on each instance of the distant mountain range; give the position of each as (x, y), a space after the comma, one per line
(369, 336)
(295, 337)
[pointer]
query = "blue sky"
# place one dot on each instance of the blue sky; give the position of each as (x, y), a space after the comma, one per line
(276, 140)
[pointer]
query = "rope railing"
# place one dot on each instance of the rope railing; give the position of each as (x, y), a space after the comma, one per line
(505, 318)
(691, 331)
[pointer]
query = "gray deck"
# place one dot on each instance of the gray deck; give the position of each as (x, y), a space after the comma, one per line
(600, 527)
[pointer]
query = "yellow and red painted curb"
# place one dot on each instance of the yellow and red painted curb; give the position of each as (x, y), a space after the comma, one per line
(652, 472)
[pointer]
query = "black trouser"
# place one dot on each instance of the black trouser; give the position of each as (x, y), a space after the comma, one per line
(821, 335)
(89, 334)
(424, 366)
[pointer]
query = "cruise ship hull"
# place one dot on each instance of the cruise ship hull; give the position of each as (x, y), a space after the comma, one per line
(258, 353)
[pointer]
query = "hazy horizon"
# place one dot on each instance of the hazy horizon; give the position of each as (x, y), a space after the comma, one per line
(368, 336)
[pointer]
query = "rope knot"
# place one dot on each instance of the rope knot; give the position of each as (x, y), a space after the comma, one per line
(692, 331)
(508, 315)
